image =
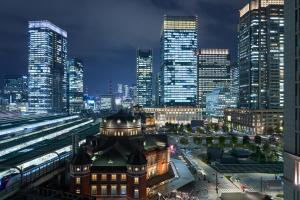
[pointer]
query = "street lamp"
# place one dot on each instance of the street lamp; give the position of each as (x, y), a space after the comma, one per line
(217, 182)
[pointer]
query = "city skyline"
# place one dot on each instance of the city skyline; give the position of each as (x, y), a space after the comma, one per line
(92, 45)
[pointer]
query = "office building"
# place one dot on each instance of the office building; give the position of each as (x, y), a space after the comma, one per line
(292, 102)
(261, 55)
(179, 61)
(144, 69)
(253, 122)
(75, 85)
(107, 103)
(234, 83)
(216, 101)
(47, 67)
(174, 115)
(15, 88)
(158, 90)
(213, 72)
(261, 64)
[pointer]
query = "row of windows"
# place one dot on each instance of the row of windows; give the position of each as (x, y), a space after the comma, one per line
(104, 178)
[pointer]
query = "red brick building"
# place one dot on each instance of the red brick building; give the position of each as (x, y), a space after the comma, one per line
(120, 162)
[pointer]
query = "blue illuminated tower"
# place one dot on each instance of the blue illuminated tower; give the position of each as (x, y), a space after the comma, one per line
(47, 85)
(179, 61)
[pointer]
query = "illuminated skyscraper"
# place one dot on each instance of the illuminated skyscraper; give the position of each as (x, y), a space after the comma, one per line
(260, 55)
(144, 62)
(292, 102)
(213, 72)
(75, 85)
(47, 67)
(179, 61)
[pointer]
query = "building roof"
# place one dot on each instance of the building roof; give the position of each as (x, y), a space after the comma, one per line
(81, 158)
(137, 158)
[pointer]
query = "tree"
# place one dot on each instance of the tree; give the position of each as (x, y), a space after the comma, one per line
(181, 128)
(257, 140)
(216, 127)
(209, 126)
(197, 140)
(184, 141)
(222, 141)
(246, 140)
(225, 128)
(270, 130)
(234, 140)
(266, 149)
(209, 141)
(199, 130)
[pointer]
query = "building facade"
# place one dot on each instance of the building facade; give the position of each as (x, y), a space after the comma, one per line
(174, 115)
(261, 55)
(234, 83)
(250, 121)
(15, 88)
(217, 100)
(120, 162)
(144, 68)
(75, 85)
(179, 61)
(47, 60)
(213, 72)
(292, 102)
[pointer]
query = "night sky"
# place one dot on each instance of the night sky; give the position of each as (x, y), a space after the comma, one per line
(105, 34)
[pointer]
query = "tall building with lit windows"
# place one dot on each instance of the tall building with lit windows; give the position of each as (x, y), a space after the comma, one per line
(213, 72)
(75, 85)
(179, 61)
(144, 68)
(292, 101)
(261, 55)
(47, 61)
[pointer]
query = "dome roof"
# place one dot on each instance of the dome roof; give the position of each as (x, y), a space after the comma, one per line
(137, 158)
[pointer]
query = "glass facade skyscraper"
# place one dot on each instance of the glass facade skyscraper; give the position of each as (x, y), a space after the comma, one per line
(292, 101)
(47, 67)
(213, 72)
(144, 68)
(75, 85)
(260, 55)
(179, 61)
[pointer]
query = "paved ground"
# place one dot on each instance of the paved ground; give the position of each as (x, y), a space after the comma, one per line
(257, 182)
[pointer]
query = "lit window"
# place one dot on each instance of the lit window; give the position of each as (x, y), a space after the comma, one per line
(77, 191)
(77, 180)
(136, 180)
(113, 177)
(103, 177)
(113, 190)
(123, 189)
(123, 177)
(94, 177)
(103, 189)
(136, 193)
(94, 190)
